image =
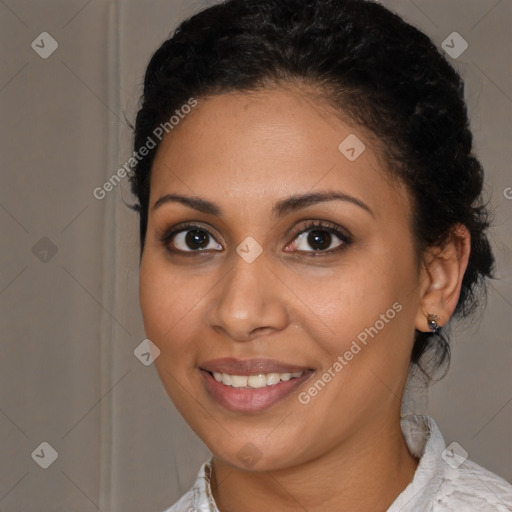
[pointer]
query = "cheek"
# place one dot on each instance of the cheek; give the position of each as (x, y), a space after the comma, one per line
(167, 305)
(363, 331)
(360, 299)
(165, 300)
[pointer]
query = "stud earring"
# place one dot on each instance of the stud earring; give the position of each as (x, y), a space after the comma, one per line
(432, 322)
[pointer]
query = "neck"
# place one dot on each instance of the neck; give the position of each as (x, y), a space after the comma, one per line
(364, 473)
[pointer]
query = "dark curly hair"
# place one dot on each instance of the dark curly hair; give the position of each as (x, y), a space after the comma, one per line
(370, 66)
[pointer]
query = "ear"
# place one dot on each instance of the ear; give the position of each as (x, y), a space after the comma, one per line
(441, 279)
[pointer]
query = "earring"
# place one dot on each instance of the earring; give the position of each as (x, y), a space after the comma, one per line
(432, 322)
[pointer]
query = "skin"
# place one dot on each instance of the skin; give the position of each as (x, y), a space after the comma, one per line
(344, 449)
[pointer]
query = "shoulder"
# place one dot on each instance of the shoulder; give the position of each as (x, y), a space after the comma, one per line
(470, 487)
(445, 479)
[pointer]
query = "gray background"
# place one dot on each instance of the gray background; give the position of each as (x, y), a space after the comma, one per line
(70, 321)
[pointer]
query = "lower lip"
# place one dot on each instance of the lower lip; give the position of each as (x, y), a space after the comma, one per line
(251, 399)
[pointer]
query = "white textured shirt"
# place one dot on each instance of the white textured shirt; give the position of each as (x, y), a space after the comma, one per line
(444, 481)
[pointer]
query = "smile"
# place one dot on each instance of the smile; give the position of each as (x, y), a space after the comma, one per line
(251, 386)
(254, 381)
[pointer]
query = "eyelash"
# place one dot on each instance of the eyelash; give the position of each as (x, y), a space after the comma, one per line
(166, 237)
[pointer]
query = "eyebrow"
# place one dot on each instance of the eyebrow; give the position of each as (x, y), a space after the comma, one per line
(280, 208)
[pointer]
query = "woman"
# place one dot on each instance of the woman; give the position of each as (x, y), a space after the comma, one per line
(310, 220)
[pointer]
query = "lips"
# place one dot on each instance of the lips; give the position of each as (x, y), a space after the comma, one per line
(243, 397)
(234, 366)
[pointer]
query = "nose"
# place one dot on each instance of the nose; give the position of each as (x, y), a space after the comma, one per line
(249, 301)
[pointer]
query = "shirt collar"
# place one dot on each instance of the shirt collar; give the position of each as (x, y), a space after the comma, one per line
(425, 442)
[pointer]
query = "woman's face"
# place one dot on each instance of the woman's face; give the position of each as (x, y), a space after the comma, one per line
(274, 281)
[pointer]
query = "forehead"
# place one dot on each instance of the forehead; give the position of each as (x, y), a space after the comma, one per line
(265, 145)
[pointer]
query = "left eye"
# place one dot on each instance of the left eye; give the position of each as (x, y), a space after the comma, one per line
(319, 239)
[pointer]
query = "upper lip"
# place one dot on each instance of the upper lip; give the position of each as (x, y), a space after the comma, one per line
(233, 366)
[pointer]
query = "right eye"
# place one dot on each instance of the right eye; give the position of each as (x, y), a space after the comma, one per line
(190, 238)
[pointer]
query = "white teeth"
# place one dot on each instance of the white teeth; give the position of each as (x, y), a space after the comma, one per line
(272, 378)
(254, 381)
(257, 381)
(239, 381)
